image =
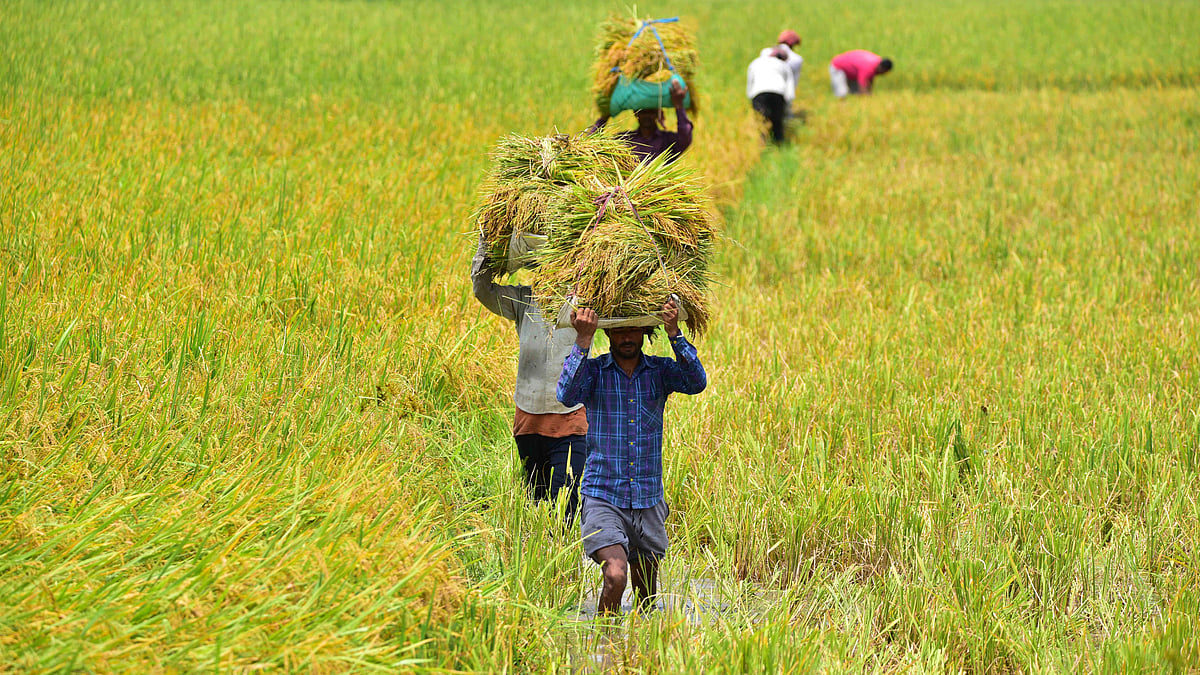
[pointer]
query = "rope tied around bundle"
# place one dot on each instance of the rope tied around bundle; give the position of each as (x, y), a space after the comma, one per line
(649, 23)
(602, 202)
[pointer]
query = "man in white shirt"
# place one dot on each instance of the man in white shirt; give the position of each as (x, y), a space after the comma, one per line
(771, 88)
(789, 40)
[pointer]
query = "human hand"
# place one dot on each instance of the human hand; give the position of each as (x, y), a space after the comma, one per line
(480, 269)
(670, 318)
(677, 94)
(584, 321)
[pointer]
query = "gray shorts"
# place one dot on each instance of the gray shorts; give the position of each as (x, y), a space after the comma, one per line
(641, 532)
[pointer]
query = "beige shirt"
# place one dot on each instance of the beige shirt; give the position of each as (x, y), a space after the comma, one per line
(542, 348)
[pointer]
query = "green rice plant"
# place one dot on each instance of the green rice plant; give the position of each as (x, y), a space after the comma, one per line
(618, 53)
(530, 174)
(951, 423)
(624, 247)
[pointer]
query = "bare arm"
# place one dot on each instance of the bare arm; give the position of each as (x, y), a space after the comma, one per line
(683, 136)
(865, 80)
(497, 298)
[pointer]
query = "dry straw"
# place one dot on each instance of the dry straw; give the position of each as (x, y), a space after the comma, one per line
(643, 58)
(623, 247)
(529, 174)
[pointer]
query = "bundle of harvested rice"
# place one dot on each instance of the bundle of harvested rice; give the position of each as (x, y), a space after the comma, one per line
(622, 248)
(528, 175)
(619, 53)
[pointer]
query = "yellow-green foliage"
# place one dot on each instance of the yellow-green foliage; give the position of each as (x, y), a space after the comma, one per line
(252, 418)
(529, 175)
(622, 247)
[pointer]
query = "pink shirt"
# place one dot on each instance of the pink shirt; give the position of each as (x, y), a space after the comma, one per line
(859, 65)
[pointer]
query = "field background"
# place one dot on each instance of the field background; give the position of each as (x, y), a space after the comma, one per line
(252, 418)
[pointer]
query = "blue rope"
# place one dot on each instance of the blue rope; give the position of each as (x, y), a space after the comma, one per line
(664, 50)
(650, 24)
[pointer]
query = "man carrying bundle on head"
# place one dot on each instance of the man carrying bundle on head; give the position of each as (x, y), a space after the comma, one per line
(549, 436)
(625, 393)
(650, 140)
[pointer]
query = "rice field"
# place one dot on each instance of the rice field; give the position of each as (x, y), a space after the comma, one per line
(251, 417)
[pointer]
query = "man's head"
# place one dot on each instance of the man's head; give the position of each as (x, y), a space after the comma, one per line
(884, 66)
(648, 118)
(779, 53)
(626, 342)
(789, 38)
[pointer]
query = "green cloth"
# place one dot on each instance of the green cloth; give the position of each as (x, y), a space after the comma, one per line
(631, 94)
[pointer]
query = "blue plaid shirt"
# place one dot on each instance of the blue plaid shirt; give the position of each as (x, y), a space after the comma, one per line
(625, 419)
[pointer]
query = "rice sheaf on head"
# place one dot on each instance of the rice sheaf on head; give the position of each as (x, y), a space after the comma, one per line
(623, 247)
(643, 58)
(529, 174)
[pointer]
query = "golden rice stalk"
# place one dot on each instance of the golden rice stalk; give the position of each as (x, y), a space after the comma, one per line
(622, 248)
(643, 59)
(529, 174)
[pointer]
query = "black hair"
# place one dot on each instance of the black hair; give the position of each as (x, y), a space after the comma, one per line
(885, 65)
(649, 331)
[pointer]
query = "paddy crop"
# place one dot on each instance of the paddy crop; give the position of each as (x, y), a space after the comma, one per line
(651, 49)
(529, 176)
(251, 416)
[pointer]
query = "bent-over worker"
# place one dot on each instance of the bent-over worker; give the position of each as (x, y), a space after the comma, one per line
(854, 72)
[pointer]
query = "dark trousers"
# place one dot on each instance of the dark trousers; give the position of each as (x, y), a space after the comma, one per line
(552, 464)
(774, 108)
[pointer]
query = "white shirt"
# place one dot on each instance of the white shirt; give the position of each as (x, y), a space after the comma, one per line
(768, 74)
(795, 61)
(542, 348)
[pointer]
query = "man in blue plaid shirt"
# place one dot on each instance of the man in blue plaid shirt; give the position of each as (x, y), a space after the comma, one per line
(625, 392)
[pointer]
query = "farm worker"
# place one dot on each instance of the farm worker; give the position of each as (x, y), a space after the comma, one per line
(770, 88)
(550, 437)
(853, 72)
(650, 140)
(788, 40)
(625, 392)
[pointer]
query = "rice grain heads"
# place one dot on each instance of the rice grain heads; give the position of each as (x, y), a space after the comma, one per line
(642, 58)
(623, 247)
(529, 174)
